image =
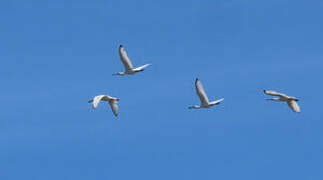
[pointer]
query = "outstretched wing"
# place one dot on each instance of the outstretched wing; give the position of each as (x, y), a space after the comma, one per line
(97, 100)
(125, 59)
(294, 106)
(200, 92)
(114, 106)
(217, 101)
(273, 93)
(141, 67)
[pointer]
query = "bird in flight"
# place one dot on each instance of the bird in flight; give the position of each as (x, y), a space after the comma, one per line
(205, 103)
(129, 69)
(112, 101)
(291, 101)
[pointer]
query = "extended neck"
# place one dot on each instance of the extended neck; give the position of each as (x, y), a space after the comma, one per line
(194, 107)
(119, 74)
(274, 99)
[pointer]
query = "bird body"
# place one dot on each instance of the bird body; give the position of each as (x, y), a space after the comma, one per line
(290, 100)
(112, 101)
(205, 103)
(129, 69)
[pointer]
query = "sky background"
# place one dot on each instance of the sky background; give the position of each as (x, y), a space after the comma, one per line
(56, 55)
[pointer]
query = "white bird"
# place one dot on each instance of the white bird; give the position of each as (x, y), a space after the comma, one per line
(291, 101)
(129, 69)
(112, 101)
(203, 97)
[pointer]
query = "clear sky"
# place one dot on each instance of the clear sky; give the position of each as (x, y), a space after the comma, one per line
(56, 55)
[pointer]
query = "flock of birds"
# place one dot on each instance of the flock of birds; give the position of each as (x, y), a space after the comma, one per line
(205, 103)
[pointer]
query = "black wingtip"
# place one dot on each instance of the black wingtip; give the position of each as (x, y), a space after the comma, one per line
(265, 90)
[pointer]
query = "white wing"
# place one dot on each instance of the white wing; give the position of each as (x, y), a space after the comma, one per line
(97, 100)
(294, 106)
(273, 93)
(141, 67)
(217, 101)
(114, 106)
(201, 93)
(125, 59)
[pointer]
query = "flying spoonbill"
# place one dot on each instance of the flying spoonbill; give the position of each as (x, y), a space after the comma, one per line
(203, 97)
(291, 101)
(129, 69)
(112, 101)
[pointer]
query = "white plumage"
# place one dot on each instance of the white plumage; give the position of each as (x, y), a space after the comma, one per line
(129, 69)
(205, 103)
(112, 101)
(291, 101)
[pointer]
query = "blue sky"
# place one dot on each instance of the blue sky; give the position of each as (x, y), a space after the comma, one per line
(58, 54)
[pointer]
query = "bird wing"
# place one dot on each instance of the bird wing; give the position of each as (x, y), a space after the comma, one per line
(97, 100)
(218, 101)
(125, 59)
(114, 106)
(273, 93)
(200, 92)
(294, 106)
(141, 67)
